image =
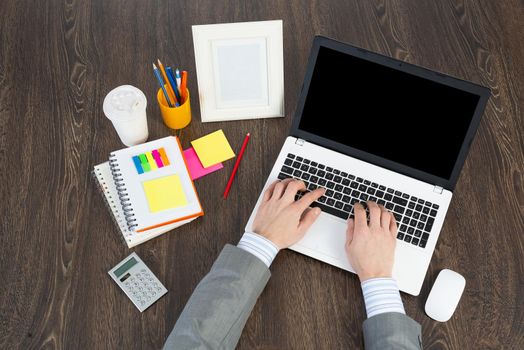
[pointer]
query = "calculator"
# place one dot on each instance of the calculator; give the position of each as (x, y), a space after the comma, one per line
(137, 281)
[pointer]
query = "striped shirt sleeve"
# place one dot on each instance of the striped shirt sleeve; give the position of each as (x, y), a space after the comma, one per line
(381, 295)
(259, 246)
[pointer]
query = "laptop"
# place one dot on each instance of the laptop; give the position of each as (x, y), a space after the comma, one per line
(370, 127)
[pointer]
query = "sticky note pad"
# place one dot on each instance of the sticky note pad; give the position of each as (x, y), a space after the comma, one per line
(159, 162)
(164, 193)
(145, 164)
(151, 161)
(213, 148)
(163, 156)
(196, 170)
(157, 157)
(138, 165)
(142, 158)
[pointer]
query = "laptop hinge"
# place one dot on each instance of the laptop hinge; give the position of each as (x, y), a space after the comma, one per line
(438, 189)
(299, 142)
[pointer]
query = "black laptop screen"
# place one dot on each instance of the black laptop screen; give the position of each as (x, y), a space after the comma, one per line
(386, 112)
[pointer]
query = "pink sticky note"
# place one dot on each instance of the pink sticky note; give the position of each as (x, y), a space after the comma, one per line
(157, 158)
(196, 170)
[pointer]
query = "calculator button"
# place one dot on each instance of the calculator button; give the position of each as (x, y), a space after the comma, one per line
(143, 270)
(138, 275)
(132, 279)
(148, 299)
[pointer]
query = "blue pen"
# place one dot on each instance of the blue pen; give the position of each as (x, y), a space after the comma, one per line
(171, 77)
(161, 82)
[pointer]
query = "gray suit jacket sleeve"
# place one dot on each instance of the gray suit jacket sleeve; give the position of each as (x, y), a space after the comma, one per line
(217, 311)
(392, 330)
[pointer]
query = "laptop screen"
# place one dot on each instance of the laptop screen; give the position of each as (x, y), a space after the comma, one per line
(386, 112)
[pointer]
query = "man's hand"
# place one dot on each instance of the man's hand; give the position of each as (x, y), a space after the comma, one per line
(282, 220)
(370, 247)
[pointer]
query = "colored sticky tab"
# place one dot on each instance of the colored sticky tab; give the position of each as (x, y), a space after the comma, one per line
(138, 165)
(157, 157)
(164, 193)
(213, 148)
(163, 156)
(196, 170)
(145, 164)
(159, 162)
(151, 161)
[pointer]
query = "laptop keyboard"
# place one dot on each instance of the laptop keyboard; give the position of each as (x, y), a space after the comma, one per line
(415, 216)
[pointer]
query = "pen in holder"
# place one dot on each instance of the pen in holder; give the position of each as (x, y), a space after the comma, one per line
(175, 117)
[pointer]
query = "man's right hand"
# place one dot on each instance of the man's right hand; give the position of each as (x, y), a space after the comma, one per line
(370, 247)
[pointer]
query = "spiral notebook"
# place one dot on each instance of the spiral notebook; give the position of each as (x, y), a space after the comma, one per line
(104, 177)
(148, 189)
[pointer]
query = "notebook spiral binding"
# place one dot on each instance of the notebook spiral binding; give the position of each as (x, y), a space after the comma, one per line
(122, 193)
(100, 187)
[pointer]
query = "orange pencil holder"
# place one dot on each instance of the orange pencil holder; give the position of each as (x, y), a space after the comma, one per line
(175, 117)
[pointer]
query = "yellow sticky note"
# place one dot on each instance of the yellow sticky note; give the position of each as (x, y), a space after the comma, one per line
(164, 193)
(151, 161)
(213, 148)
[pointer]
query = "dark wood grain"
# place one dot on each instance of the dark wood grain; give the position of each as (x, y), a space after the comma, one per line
(58, 59)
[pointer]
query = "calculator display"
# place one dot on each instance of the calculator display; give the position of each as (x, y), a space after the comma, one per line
(127, 265)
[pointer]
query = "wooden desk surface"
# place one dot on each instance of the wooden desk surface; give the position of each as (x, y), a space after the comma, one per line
(58, 59)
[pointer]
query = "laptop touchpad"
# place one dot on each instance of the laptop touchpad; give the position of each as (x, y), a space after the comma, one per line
(327, 236)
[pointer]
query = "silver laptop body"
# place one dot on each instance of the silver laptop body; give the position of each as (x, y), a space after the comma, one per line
(321, 155)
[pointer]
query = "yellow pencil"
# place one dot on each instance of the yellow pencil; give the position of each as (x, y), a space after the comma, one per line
(169, 87)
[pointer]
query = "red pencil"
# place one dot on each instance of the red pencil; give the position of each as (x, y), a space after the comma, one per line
(237, 163)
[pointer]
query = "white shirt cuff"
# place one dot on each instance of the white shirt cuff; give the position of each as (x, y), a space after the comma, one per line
(259, 246)
(381, 295)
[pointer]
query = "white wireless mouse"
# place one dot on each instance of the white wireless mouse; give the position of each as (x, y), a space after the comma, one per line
(445, 295)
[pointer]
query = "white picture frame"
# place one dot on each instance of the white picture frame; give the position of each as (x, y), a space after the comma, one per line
(240, 70)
